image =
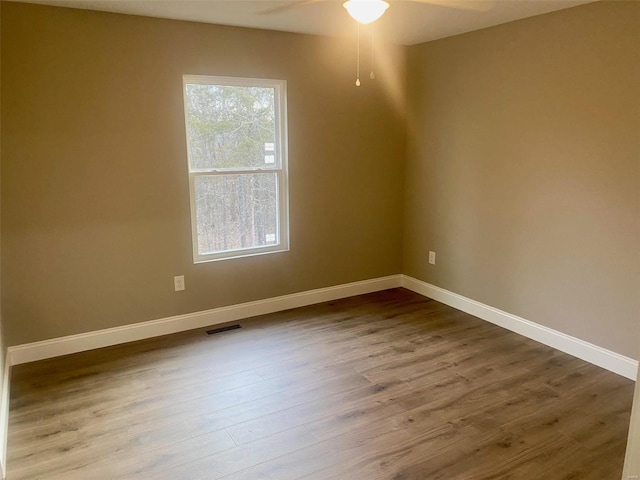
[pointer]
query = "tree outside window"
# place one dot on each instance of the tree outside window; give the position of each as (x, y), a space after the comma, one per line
(237, 166)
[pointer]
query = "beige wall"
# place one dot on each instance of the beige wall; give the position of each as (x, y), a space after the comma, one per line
(4, 410)
(95, 196)
(523, 170)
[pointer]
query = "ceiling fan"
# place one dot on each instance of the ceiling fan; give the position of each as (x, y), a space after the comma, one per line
(368, 11)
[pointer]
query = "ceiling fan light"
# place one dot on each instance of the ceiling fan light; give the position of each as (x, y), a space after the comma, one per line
(366, 11)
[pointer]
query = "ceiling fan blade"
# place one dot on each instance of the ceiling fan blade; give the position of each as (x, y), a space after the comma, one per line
(476, 5)
(288, 6)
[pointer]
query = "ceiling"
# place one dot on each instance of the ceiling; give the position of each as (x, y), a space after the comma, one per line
(406, 22)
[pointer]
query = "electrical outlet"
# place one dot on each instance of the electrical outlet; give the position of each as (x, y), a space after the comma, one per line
(432, 258)
(178, 283)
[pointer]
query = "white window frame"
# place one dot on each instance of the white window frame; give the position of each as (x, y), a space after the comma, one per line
(280, 166)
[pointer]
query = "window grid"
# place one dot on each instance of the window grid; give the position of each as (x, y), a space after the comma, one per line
(276, 156)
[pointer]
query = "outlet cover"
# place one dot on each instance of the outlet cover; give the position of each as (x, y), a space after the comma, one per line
(178, 283)
(432, 258)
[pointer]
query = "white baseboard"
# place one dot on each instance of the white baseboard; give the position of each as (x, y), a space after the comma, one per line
(32, 352)
(4, 414)
(589, 352)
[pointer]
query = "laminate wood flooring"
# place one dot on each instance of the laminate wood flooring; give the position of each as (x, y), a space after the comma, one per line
(390, 386)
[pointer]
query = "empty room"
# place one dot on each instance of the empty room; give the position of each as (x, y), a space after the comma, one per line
(316, 239)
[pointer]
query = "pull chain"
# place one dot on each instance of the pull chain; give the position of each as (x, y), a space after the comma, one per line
(372, 75)
(358, 62)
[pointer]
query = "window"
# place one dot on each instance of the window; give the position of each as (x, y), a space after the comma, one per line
(236, 145)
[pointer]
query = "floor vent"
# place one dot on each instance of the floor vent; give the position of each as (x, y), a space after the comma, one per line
(223, 329)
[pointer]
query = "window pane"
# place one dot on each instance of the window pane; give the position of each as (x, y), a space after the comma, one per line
(236, 211)
(231, 126)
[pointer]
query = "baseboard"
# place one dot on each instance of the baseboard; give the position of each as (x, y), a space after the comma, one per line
(4, 415)
(589, 352)
(32, 352)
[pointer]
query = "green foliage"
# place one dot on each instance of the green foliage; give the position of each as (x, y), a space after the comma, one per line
(228, 126)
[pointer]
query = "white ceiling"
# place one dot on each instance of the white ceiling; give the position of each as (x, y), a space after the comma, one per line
(406, 22)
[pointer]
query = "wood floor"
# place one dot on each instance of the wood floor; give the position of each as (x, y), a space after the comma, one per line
(383, 386)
